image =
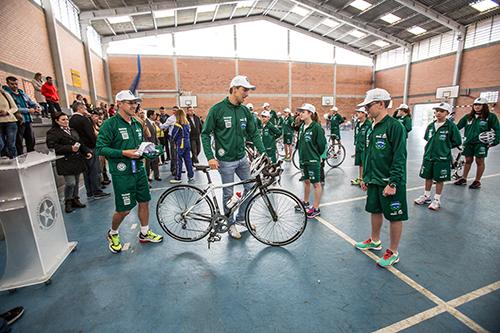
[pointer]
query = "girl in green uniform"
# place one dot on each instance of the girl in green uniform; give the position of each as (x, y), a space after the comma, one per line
(478, 121)
(288, 133)
(362, 126)
(404, 116)
(441, 135)
(311, 145)
(269, 135)
(335, 120)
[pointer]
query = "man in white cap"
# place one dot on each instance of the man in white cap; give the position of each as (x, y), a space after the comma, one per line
(384, 175)
(403, 114)
(288, 133)
(274, 116)
(231, 123)
(476, 123)
(335, 120)
(118, 140)
(441, 135)
(363, 126)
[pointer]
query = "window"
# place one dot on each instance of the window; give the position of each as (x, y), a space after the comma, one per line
(67, 13)
(94, 40)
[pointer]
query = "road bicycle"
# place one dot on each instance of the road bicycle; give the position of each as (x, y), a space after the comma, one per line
(273, 216)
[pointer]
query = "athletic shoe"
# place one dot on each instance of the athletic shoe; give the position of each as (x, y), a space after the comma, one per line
(175, 181)
(298, 209)
(475, 185)
(461, 181)
(313, 212)
(435, 205)
(388, 259)
(101, 194)
(243, 224)
(423, 200)
(150, 237)
(115, 246)
(158, 179)
(356, 181)
(233, 232)
(369, 245)
(12, 315)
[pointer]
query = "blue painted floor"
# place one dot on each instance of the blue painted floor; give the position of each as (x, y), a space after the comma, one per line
(320, 283)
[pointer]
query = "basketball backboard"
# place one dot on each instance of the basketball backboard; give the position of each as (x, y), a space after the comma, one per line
(443, 93)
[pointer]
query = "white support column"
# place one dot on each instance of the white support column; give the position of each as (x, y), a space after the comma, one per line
(457, 71)
(88, 62)
(235, 43)
(406, 87)
(107, 75)
(55, 51)
(373, 70)
(334, 75)
(176, 72)
(289, 72)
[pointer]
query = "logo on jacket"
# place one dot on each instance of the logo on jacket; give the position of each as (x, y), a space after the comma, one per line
(380, 144)
(243, 123)
(221, 152)
(121, 166)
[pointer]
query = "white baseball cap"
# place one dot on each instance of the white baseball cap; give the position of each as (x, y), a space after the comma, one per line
(443, 106)
(279, 113)
(362, 109)
(480, 100)
(241, 81)
(334, 108)
(307, 107)
(126, 95)
(265, 105)
(403, 106)
(265, 114)
(374, 95)
(250, 106)
(287, 110)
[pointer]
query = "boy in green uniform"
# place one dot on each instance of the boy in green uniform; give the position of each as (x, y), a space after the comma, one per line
(269, 135)
(311, 145)
(476, 123)
(362, 126)
(230, 122)
(118, 140)
(274, 115)
(384, 175)
(288, 133)
(402, 114)
(441, 135)
(335, 120)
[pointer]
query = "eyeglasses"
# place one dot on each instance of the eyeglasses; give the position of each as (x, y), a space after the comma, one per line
(369, 105)
(130, 102)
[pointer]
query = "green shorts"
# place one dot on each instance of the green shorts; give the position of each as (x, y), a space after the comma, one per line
(288, 139)
(130, 189)
(439, 171)
(358, 158)
(312, 172)
(394, 208)
(476, 149)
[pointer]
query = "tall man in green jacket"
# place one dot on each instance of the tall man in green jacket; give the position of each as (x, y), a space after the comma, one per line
(118, 140)
(384, 175)
(230, 122)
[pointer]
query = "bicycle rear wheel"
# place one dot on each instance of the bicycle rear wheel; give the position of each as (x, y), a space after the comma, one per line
(296, 159)
(291, 218)
(335, 155)
(171, 211)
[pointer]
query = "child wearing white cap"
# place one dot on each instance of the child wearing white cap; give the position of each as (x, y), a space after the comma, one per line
(335, 120)
(403, 114)
(363, 126)
(482, 131)
(311, 145)
(288, 133)
(441, 135)
(269, 135)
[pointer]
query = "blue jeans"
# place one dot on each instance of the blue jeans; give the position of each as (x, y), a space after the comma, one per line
(8, 132)
(227, 170)
(92, 176)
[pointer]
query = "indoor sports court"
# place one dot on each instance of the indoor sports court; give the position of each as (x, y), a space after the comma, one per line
(287, 265)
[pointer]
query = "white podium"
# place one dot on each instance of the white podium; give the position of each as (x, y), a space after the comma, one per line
(32, 221)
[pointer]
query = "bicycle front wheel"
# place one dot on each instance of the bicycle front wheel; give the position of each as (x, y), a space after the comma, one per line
(335, 155)
(285, 227)
(184, 213)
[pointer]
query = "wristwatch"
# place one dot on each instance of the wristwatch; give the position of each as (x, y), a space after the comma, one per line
(392, 185)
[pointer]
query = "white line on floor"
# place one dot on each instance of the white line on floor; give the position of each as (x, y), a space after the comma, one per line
(407, 190)
(412, 283)
(133, 226)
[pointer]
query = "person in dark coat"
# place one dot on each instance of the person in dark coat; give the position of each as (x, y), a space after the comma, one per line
(195, 124)
(66, 142)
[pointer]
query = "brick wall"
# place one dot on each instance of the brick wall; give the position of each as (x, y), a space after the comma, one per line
(98, 70)
(480, 72)
(208, 79)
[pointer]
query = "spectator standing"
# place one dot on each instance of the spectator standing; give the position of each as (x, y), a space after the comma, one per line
(49, 91)
(111, 110)
(195, 125)
(165, 142)
(8, 125)
(37, 83)
(85, 129)
(152, 166)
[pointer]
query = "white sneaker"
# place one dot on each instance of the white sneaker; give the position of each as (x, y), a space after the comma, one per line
(233, 232)
(423, 200)
(435, 205)
(244, 225)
